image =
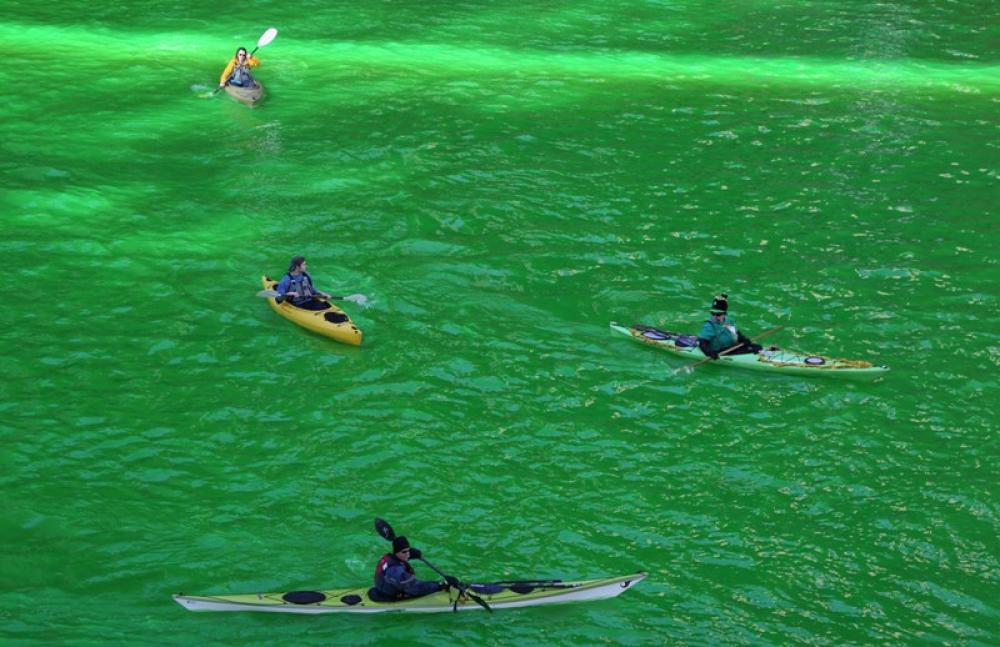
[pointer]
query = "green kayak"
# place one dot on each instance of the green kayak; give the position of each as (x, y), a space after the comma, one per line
(499, 595)
(772, 359)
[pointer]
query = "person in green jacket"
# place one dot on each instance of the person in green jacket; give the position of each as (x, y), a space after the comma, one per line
(719, 332)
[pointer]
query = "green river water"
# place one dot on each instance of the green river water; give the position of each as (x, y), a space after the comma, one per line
(501, 179)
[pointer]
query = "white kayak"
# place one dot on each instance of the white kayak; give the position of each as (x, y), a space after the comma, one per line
(775, 360)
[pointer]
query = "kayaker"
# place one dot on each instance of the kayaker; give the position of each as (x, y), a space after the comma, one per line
(719, 332)
(238, 70)
(298, 285)
(395, 579)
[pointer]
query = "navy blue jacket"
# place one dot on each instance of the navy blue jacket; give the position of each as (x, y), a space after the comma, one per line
(395, 578)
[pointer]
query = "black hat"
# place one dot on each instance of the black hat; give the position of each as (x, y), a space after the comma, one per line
(400, 543)
(720, 304)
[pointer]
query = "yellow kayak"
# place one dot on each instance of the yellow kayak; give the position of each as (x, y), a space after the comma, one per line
(332, 322)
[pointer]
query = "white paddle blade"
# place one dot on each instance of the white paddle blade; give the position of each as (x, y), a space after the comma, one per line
(267, 37)
(268, 293)
(359, 299)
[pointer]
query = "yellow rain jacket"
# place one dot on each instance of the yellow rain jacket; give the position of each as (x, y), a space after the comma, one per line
(252, 61)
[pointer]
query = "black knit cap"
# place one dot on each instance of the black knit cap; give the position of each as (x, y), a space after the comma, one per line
(400, 543)
(720, 304)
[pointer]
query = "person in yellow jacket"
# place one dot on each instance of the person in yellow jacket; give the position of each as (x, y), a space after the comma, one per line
(238, 70)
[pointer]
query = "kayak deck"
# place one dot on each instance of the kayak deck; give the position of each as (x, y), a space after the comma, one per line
(499, 595)
(771, 359)
(247, 96)
(332, 322)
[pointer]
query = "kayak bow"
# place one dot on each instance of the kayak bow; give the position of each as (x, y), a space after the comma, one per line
(247, 96)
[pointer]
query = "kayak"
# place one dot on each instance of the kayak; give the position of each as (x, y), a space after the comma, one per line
(332, 322)
(771, 359)
(498, 595)
(247, 96)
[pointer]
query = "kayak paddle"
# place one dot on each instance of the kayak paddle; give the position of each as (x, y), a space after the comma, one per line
(688, 369)
(264, 40)
(383, 528)
(359, 299)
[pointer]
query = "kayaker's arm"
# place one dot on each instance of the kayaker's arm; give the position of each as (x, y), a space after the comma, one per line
(409, 584)
(227, 72)
(748, 343)
(283, 285)
(706, 348)
(705, 341)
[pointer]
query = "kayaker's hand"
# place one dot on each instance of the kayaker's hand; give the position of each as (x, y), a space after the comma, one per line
(713, 354)
(452, 581)
(292, 294)
(415, 553)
